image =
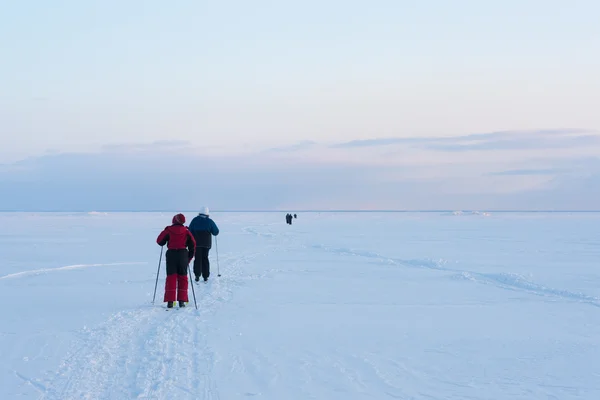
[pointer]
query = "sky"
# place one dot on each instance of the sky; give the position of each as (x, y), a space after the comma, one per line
(299, 105)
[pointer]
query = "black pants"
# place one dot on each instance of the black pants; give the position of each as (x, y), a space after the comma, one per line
(201, 263)
(177, 262)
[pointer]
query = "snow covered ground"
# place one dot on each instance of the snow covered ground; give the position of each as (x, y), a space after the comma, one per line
(336, 306)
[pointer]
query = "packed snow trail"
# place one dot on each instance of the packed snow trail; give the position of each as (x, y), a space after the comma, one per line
(149, 353)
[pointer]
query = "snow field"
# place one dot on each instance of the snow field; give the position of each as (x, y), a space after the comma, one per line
(338, 305)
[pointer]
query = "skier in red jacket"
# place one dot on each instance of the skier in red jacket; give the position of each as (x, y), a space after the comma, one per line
(180, 251)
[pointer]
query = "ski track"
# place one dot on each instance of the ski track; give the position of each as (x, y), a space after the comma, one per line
(127, 356)
(65, 268)
(518, 283)
(256, 232)
(507, 281)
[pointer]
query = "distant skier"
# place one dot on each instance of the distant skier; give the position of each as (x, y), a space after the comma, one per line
(295, 216)
(203, 228)
(181, 246)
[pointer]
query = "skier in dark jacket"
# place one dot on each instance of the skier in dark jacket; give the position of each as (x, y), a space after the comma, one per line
(180, 251)
(203, 228)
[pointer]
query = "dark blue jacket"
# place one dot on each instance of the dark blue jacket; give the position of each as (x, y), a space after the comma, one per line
(202, 227)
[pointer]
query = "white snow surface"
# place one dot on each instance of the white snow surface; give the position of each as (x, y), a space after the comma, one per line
(336, 306)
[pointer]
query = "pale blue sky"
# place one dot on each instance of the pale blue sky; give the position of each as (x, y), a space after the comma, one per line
(240, 77)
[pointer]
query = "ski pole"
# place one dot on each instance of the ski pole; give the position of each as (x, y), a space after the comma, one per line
(157, 272)
(217, 246)
(192, 283)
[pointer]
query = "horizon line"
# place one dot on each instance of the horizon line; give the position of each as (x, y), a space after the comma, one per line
(308, 211)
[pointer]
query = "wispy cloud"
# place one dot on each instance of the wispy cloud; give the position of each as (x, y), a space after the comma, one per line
(380, 142)
(518, 142)
(156, 145)
(501, 140)
(303, 145)
(522, 172)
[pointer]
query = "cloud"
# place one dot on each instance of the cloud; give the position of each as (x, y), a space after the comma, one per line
(573, 193)
(501, 140)
(303, 145)
(156, 181)
(156, 145)
(541, 171)
(305, 175)
(519, 142)
(379, 142)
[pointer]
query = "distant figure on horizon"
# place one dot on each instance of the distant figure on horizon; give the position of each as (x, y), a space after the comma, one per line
(203, 228)
(295, 216)
(180, 251)
(288, 218)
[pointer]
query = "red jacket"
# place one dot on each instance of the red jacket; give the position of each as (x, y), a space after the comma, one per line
(177, 237)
